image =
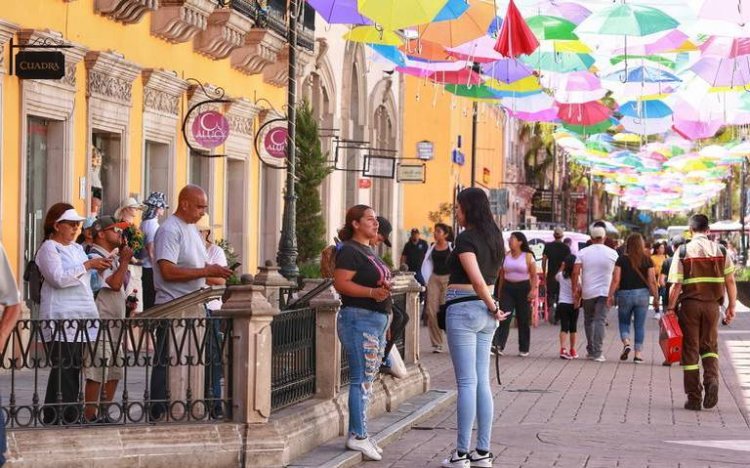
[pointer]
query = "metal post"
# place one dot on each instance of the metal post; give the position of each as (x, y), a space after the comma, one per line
(474, 112)
(590, 204)
(554, 184)
(287, 255)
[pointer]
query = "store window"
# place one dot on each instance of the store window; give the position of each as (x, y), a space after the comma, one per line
(106, 173)
(157, 174)
(236, 189)
(200, 170)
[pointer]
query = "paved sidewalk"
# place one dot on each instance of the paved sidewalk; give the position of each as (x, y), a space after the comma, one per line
(551, 412)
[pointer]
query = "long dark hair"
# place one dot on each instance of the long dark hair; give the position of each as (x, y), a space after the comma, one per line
(354, 213)
(53, 214)
(521, 237)
(635, 250)
(569, 263)
(476, 208)
(447, 230)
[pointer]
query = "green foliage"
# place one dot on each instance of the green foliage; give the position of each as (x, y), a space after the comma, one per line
(312, 169)
(540, 156)
(445, 210)
(310, 269)
(742, 274)
(232, 258)
(388, 259)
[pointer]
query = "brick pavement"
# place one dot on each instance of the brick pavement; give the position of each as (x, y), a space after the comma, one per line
(551, 412)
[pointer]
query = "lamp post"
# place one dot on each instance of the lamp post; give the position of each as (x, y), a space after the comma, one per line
(743, 211)
(286, 257)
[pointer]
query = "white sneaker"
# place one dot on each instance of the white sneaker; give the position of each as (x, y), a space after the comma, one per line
(375, 444)
(523, 354)
(600, 358)
(365, 446)
(455, 461)
(481, 461)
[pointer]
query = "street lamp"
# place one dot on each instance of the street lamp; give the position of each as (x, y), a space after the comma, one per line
(286, 257)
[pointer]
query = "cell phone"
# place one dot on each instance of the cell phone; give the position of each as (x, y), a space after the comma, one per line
(235, 265)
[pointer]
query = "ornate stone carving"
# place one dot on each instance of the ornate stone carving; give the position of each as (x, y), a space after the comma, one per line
(7, 30)
(125, 11)
(225, 32)
(72, 55)
(162, 91)
(261, 48)
(110, 76)
(241, 125)
(276, 74)
(180, 20)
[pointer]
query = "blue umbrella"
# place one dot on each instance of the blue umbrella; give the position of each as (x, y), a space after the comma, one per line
(643, 74)
(654, 109)
(494, 29)
(391, 53)
(452, 10)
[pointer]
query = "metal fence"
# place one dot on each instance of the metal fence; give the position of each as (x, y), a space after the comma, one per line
(131, 371)
(293, 361)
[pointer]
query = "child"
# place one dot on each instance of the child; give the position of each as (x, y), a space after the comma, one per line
(566, 311)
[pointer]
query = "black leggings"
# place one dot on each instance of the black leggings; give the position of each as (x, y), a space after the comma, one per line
(568, 316)
(515, 298)
(61, 405)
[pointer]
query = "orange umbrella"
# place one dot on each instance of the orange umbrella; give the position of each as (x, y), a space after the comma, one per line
(425, 50)
(471, 25)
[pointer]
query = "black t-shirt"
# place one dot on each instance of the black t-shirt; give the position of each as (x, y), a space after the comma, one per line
(415, 253)
(473, 241)
(440, 261)
(555, 253)
(371, 272)
(629, 279)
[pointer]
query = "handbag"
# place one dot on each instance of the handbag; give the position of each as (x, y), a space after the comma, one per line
(670, 338)
(398, 368)
(443, 310)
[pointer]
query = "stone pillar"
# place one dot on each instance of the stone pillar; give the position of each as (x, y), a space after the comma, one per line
(327, 344)
(186, 377)
(271, 282)
(405, 281)
(252, 342)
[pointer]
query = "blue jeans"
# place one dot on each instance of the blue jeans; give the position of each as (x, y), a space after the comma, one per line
(633, 302)
(3, 442)
(362, 334)
(470, 329)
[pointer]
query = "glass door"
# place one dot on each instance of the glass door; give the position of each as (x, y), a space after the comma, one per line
(36, 185)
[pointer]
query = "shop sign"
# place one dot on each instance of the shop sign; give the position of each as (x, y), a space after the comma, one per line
(485, 176)
(365, 183)
(499, 201)
(458, 157)
(40, 65)
(210, 129)
(412, 173)
(275, 142)
(541, 205)
(425, 150)
(382, 167)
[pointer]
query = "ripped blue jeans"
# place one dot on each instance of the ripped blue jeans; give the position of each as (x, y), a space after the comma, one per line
(362, 334)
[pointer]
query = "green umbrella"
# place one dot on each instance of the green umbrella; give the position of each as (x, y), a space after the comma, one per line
(589, 129)
(559, 62)
(547, 28)
(651, 58)
(627, 20)
(471, 91)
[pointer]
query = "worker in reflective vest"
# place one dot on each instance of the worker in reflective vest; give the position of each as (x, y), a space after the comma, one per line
(700, 275)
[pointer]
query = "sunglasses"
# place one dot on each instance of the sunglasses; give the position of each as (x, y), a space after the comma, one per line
(117, 230)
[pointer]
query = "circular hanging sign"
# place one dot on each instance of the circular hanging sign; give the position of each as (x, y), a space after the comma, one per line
(275, 142)
(210, 129)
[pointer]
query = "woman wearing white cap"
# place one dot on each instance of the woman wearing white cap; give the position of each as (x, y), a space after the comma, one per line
(65, 298)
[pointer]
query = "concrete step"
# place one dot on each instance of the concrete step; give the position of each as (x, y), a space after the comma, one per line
(385, 429)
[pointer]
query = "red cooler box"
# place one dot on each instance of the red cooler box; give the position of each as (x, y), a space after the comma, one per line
(670, 338)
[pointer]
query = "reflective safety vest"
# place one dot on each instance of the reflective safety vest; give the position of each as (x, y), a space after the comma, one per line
(703, 277)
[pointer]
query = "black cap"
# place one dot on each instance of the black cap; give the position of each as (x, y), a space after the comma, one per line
(384, 229)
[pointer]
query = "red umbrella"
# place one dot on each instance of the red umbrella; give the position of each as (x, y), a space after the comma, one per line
(516, 38)
(461, 77)
(586, 114)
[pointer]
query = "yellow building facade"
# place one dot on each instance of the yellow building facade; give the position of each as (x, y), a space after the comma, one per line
(433, 115)
(112, 125)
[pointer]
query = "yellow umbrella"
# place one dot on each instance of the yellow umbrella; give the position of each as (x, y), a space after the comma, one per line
(472, 25)
(398, 14)
(373, 35)
(524, 85)
(627, 138)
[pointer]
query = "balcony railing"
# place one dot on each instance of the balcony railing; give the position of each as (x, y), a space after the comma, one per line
(293, 359)
(273, 17)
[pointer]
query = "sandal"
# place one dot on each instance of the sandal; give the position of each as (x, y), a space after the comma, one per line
(625, 353)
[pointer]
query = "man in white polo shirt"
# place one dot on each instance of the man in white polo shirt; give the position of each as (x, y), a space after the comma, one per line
(594, 267)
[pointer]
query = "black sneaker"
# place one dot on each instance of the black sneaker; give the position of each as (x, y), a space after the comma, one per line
(711, 398)
(482, 461)
(693, 405)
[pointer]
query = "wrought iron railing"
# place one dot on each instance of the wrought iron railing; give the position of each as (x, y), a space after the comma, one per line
(273, 17)
(293, 362)
(153, 371)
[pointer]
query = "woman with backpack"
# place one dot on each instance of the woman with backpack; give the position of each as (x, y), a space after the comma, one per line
(633, 280)
(435, 273)
(364, 282)
(66, 301)
(517, 289)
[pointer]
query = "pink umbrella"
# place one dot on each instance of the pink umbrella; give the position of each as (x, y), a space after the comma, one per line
(726, 47)
(437, 66)
(548, 115)
(691, 125)
(732, 11)
(480, 50)
(579, 87)
(669, 41)
(572, 12)
(721, 72)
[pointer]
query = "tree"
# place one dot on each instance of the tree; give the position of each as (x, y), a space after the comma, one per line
(312, 169)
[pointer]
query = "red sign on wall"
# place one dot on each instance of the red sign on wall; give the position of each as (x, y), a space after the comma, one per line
(365, 183)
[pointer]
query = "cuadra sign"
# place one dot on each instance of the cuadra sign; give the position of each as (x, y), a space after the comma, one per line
(40, 65)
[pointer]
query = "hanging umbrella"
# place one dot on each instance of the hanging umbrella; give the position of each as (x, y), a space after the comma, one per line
(645, 109)
(437, 66)
(506, 70)
(516, 38)
(627, 20)
(461, 77)
(642, 74)
(539, 102)
(646, 126)
(547, 28)
(452, 10)
(398, 14)
(695, 129)
(572, 12)
(478, 92)
(579, 87)
(726, 47)
(479, 50)
(373, 35)
(731, 11)
(719, 72)
(547, 115)
(588, 118)
(339, 11)
(390, 53)
(673, 41)
(424, 50)
(471, 25)
(524, 85)
(559, 62)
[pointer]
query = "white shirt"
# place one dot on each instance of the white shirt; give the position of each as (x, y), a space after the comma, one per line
(597, 264)
(149, 228)
(180, 243)
(9, 294)
(66, 290)
(566, 289)
(216, 256)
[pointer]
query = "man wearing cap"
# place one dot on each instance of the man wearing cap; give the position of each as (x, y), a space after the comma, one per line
(10, 303)
(700, 273)
(109, 287)
(552, 258)
(181, 268)
(594, 266)
(156, 205)
(413, 254)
